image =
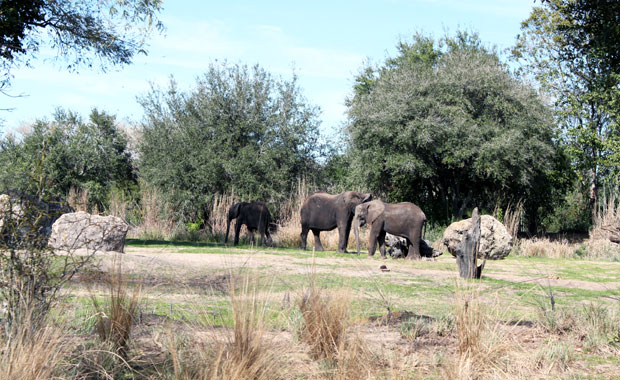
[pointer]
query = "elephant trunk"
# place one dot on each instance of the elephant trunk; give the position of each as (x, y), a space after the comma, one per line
(356, 229)
(227, 229)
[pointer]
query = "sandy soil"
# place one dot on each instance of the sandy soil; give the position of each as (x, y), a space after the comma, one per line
(161, 261)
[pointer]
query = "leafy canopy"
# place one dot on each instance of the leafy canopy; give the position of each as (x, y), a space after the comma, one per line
(110, 31)
(444, 125)
(572, 49)
(239, 130)
(68, 152)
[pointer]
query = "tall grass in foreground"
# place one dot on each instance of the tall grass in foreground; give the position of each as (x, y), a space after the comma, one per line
(327, 329)
(33, 354)
(115, 317)
(243, 353)
(481, 343)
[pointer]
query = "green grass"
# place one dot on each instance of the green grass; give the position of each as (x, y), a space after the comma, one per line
(424, 294)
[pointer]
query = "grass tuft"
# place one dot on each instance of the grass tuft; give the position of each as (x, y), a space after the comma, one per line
(115, 317)
(243, 353)
(32, 354)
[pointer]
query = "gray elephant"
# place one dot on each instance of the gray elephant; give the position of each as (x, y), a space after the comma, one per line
(401, 219)
(324, 212)
(255, 216)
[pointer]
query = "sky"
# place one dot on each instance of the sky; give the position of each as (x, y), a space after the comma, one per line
(325, 43)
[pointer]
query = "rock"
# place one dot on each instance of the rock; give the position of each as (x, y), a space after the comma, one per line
(494, 237)
(82, 230)
(32, 218)
(397, 247)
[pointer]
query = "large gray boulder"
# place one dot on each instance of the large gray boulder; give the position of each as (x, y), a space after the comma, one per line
(397, 247)
(494, 237)
(83, 230)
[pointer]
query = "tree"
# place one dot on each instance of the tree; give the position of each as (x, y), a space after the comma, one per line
(444, 125)
(68, 152)
(571, 48)
(239, 130)
(111, 31)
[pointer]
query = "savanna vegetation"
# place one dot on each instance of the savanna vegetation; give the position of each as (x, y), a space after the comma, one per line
(451, 124)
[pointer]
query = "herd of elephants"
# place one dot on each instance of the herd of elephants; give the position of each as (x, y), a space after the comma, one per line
(324, 212)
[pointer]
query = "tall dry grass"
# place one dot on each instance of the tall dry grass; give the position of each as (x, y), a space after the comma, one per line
(608, 211)
(78, 199)
(482, 345)
(242, 353)
(115, 316)
(33, 354)
(328, 330)
(606, 222)
(218, 216)
(154, 215)
(512, 218)
(544, 247)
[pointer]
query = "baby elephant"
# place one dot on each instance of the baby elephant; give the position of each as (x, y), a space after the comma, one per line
(255, 216)
(401, 219)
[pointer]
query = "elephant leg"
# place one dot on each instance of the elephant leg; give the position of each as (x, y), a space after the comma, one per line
(237, 231)
(251, 233)
(304, 236)
(414, 245)
(343, 238)
(381, 240)
(269, 241)
(261, 230)
(317, 240)
(375, 231)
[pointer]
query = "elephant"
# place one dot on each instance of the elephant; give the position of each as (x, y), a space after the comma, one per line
(324, 212)
(401, 219)
(254, 215)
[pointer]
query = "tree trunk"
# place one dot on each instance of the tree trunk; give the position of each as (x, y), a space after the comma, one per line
(466, 257)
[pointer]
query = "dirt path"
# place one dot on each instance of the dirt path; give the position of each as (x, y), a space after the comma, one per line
(164, 262)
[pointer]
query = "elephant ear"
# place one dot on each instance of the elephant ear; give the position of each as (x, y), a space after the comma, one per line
(233, 212)
(366, 197)
(375, 208)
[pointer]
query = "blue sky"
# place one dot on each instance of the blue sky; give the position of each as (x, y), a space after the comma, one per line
(324, 42)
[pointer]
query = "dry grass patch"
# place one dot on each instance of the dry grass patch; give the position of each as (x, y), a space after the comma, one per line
(543, 247)
(243, 353)
(328, 331)
(32, 354)
(483, 343)
(116, 315)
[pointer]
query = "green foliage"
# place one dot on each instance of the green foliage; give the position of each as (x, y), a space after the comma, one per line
(84, 32)
(238, 131)
(31, 272)
(68, 152)
(570, 213)
(445, 125)
(571, 48)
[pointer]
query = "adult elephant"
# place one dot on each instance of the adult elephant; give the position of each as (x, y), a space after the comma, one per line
(255, 216)
(401, 219)
(324, 212)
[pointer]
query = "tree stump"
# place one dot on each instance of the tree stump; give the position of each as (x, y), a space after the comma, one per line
(468, 250)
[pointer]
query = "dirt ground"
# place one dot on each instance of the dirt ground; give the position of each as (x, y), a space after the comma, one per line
(188, 265)
(522, 340)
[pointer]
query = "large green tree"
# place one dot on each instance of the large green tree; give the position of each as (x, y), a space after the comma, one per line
(85, 33)
(239, 130)
(572, 49)
(68, 152)
(443, 124)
